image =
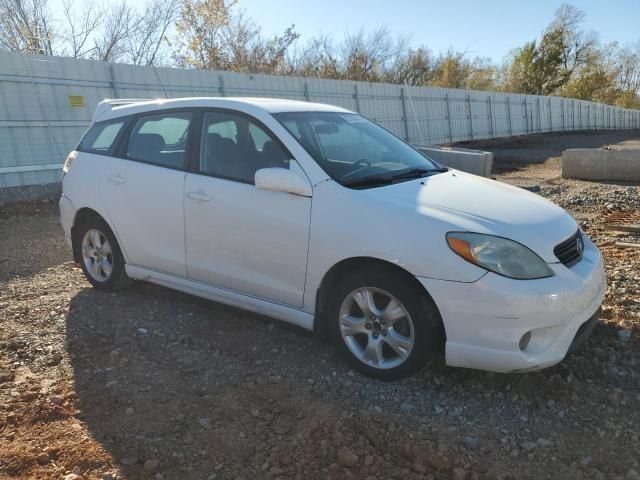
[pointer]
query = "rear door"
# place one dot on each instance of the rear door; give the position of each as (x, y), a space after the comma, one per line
(142, 190)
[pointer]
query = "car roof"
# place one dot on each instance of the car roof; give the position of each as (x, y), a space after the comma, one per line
(109, 109)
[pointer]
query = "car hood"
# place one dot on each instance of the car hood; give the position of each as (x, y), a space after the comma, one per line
(465, 202)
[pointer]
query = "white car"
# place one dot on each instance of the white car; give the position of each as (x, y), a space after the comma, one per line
(314, 215)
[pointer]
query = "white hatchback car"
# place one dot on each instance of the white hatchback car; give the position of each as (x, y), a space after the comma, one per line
(314, 215)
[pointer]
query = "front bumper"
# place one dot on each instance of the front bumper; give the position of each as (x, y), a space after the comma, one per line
(485, 320)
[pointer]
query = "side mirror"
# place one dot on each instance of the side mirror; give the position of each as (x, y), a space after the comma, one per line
(282, 180)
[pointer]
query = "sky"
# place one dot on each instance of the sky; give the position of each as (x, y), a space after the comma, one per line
(486, 28)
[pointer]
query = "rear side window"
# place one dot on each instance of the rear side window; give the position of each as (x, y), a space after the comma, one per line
(101, 137)
(160, 139)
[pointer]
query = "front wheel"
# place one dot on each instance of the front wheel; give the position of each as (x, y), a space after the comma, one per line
(384, 324)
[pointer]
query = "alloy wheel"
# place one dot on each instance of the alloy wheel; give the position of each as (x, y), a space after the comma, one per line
(97, 255)
(376, 328)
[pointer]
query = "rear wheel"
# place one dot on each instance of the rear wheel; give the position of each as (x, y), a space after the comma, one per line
(100, 256)
(384, 325)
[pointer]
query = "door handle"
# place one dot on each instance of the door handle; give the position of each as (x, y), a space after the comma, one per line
(199, 196)
(116, 179)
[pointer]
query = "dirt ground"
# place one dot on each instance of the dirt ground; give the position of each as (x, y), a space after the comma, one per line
(149, 383)
(531, 159)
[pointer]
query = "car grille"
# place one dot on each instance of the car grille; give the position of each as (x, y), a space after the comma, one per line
(570, 251)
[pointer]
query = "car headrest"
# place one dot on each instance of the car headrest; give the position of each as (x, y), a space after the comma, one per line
(146, 145)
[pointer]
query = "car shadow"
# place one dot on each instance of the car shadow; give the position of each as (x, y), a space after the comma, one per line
(167, 382)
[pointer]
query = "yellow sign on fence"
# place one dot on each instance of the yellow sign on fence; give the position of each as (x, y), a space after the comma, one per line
(76, 101)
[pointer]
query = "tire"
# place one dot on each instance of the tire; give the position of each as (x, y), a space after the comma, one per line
(100, 256)
(387, 341)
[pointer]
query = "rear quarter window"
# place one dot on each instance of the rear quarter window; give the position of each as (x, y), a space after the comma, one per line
(101, 137)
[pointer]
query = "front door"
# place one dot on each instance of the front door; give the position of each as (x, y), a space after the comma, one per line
(239, 237)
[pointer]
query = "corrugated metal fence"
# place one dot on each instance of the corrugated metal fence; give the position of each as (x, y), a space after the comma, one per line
(46, 103)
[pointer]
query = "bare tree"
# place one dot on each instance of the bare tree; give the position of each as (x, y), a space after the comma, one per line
(366, 57)
(628, 60)
(577, 44)
(26, 26)
(145, 41)
(81, 24)
(317, 58)
(120, 23)
(413, 67)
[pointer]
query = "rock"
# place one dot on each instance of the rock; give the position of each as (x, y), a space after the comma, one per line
(624, 335)
(346, 457)
(56, 400)
(528, 446)
(471, 443)
(141, 332)
(130, 411)
(72, 476)
(407, 407)
(43, 458)
(368, 460)
(128, 461)
(204, 422)
(459, 474)
(436, 461)
(151, 464)
(419, 468)
(543, 442)
(632, 475)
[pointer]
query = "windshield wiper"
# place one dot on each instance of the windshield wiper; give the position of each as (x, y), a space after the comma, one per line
(369, 181)
(389, 178)
(417, 172)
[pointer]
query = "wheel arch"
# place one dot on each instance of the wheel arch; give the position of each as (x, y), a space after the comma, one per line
(355, 263)
(81, 216)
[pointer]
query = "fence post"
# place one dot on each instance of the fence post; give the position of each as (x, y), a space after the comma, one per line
(470, 115)
(526, 115)
(446, 98)
(221, 87)
(509, 115)
(580, 114)
(113, 81)
(550, 116)
(306, 91)
(562, 113)
(490, 117)
(404, 115)
(355, 95)
(539, 117)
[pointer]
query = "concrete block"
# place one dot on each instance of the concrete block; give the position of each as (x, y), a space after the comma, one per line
(465, 159)
(601, 164)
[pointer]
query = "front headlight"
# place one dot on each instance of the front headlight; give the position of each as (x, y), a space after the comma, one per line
(500, 255)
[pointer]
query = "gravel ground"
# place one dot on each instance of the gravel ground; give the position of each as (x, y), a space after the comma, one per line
(151, 383)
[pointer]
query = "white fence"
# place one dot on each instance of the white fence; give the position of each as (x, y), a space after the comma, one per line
(46, 103)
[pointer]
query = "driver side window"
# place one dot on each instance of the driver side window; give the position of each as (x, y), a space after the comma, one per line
(235, 147)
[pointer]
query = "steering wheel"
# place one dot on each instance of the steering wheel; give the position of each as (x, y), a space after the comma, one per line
(362, 164)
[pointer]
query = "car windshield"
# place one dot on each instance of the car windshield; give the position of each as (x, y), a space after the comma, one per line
(354, 151)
